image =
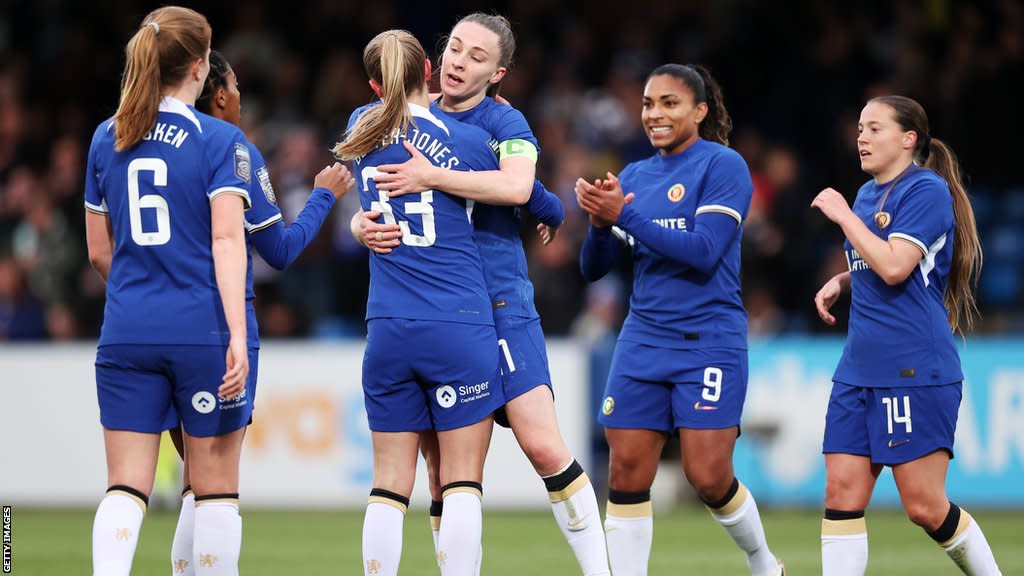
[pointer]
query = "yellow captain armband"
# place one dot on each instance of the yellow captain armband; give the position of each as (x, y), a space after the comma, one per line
(517, 147)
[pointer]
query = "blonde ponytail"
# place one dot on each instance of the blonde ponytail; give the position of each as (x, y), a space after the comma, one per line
(395, 60)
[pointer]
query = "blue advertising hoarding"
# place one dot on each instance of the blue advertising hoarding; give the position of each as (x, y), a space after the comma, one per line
(779, 455)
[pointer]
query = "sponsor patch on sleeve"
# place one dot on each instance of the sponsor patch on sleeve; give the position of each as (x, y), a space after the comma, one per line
(243, 165)
(263, 175)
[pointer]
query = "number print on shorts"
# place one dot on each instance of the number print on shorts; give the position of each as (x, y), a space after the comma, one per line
(712, 384)
(892, 412)
(503, 344)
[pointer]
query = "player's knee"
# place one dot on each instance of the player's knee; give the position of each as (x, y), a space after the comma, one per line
(546, 452)
(626, 474)
(710, 485)
(845, 494)
(928, 515)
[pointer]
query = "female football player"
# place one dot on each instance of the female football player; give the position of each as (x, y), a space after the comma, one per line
(278, 244)
(430, 360)
(913, 252)
(165, 192)
(477, 55)
(681, 359)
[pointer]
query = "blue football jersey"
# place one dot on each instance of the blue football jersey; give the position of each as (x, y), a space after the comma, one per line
(263, 214)
(900, 335)
(162, 288)
(436, 274)
(673, 305)
(498, 227)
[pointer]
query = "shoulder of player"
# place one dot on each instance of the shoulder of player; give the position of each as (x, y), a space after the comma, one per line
(103, 133)
(255, 156)
(925, 182)
(720, 154)
(354, 116)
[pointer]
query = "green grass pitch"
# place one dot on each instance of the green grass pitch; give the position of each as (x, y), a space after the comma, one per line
(686, 541)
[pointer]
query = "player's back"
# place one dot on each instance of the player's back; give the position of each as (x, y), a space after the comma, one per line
(436, 273)
(162, 288)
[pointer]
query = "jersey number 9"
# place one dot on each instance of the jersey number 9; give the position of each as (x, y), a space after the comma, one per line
(136, 202)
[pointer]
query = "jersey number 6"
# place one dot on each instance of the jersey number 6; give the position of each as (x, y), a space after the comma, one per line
(136, 202)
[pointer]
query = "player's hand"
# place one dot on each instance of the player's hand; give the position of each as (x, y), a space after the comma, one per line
(335, 178)
(825, 298)
(237, 373)
(413, 175)
(381, 238)
(603, 200)
(547, 233)
(832, 204)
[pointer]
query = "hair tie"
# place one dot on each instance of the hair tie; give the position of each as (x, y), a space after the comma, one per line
(156, 27)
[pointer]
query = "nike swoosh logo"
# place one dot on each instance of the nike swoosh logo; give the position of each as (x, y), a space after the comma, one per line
(699, 406)
(893, 443)
(578, 525)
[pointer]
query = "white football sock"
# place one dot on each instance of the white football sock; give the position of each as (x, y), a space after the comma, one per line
(629, 529)
(181, 547)
(741, 520)
(382, 532)
(217, 537)
(459, 543)
(844, 547)
(574, 506)
(115, 532)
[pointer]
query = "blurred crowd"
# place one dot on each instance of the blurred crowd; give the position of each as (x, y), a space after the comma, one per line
(795, 76)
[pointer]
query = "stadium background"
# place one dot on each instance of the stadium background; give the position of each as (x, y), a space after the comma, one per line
(795, 76)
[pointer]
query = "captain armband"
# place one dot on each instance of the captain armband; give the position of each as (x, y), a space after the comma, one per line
(517, 147)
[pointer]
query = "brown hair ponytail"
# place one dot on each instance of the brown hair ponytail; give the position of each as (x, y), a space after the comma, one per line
(967, 255)
(932, 153)
(158, 57)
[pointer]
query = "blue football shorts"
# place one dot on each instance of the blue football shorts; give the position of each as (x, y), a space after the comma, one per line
(666, 389)
(149, 388)
(523, 356)
(891, 425)
(420, 374)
